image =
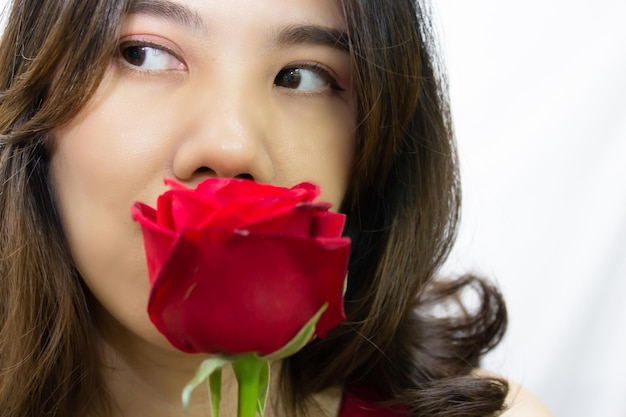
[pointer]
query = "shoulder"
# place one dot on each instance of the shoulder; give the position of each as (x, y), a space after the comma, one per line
(519, 402)
(522, 403)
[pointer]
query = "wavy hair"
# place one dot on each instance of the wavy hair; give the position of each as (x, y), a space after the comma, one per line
(402, 206)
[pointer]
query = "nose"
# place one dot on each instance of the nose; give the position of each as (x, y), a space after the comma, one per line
(224, 135)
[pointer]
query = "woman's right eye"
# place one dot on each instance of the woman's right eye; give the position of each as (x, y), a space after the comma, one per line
(149, 58)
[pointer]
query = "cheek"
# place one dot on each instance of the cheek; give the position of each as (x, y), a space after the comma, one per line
(95, 214)
(106, 159)
(97, 175)
(318, 147)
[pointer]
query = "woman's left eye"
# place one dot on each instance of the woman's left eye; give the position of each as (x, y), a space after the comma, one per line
(149, 58)
(306, 78)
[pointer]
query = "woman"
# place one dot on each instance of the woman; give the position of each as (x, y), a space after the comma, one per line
(103, 99)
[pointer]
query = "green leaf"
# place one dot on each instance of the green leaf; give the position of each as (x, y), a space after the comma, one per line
(264, 382)
(215, 389)
(300, 340)
(205, 370)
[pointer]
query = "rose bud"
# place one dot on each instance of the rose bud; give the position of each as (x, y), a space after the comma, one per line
(241, 267)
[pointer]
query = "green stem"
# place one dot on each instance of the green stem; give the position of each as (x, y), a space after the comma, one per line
(248, 371)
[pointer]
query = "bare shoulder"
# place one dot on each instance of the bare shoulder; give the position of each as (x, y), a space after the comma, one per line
(523, 403)
(520, 402)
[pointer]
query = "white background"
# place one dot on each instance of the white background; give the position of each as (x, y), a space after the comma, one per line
(539, 99)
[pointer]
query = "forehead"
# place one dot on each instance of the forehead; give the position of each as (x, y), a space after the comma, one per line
(202, 15)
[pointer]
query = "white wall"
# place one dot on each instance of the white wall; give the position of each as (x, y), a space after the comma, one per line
(3, 5)
(539, 99)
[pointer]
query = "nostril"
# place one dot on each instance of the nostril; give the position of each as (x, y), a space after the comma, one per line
(204, 171)
(244, 177)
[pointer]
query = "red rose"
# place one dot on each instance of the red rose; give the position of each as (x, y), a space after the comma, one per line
(237, 266)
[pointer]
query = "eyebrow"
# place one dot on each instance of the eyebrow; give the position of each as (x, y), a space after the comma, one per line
(312, 34)
(173, 12)
(289, 35)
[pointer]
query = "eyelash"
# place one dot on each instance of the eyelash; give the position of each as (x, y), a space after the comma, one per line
(319, 69)
(125, 45)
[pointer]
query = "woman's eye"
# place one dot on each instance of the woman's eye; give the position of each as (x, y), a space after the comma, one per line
(305, 79)
(150, 58)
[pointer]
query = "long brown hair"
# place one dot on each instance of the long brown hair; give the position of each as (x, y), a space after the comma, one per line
(402, 205)
(52, 55)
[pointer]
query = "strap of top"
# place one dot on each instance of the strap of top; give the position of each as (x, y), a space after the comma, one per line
(356, 406)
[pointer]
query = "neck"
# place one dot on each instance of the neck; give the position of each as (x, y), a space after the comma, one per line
(143, 379)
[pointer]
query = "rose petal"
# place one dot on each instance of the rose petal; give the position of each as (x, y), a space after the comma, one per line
(190, 210)
(231, 204)
(159, 242)
(228, 190)
(296, 221)
(226, 292)
(327, 224)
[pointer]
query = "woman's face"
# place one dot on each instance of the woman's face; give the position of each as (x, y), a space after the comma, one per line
(200, 88)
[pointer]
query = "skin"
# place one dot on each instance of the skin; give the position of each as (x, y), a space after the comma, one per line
(188, 99)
